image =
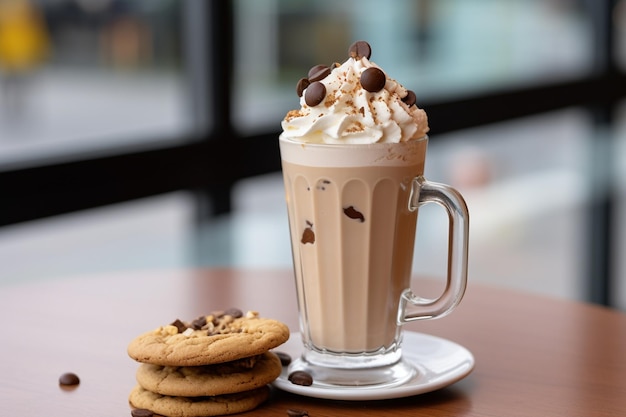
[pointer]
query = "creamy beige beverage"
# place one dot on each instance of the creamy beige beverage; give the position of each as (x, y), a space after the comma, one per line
(353, 163)
(352, 239)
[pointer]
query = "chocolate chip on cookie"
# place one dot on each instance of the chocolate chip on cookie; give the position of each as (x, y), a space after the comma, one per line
(141, 412)
(179, 325)
(234, 312)
(198, 323)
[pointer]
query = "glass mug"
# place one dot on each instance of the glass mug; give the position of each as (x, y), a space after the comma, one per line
(352, 218)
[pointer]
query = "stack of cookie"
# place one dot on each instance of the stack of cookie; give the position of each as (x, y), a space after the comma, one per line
(215, 365)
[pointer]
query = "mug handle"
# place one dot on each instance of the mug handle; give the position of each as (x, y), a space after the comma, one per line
(413, 307)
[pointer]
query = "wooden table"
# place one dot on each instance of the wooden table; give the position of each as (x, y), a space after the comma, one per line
(535, 356)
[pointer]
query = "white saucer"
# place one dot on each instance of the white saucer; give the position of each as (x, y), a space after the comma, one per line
(438, 362)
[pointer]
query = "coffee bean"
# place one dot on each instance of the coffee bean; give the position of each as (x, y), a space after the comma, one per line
(360, 49)
(285, 359)
(410, 98)
(301, 378)
(318, 73)
(315, 94)
(141, 412)
(373, 79)
(69, 378)
(303, 83)
(297, 413)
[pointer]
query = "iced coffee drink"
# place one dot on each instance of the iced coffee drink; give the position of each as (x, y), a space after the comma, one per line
(353, 163)
(352, 230)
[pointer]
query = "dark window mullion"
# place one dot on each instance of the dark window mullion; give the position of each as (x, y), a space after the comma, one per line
(215, 28)
(221, 43)
(601, 210)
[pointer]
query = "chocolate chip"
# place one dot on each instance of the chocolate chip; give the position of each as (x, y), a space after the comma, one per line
(199, 323)
(68, 379)
(301, 378)
(315, 94)
(308, 236)
(234, 312)
(360, 49)
(303, 83)
(373, 79)
(179, 325)
(318, 73)
(354, 213)
(285, 359)
(321, 184)
(141, 412)
(297, 413)
(410, 98)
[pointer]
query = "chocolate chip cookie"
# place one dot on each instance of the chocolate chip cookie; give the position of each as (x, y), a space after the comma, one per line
(225, 378)
(173, 406)
(215, 338)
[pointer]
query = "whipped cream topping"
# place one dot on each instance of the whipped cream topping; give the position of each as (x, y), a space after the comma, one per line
(349, 114)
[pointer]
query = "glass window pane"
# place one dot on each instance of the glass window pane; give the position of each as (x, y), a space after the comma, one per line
(435, 47)
(89, 75)
(526, 183)
(113, 238)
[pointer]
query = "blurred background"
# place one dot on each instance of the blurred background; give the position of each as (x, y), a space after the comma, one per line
(142, 134)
